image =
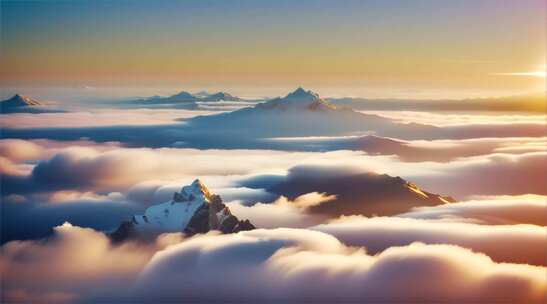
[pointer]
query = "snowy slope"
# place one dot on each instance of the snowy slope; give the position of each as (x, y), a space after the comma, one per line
(175, 214)
(192, 210)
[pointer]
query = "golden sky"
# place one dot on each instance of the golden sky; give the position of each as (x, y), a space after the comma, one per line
(490, 46)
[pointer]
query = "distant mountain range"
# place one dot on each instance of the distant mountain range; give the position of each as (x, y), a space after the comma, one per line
(186, 97)
(23, 104)
(301, 113)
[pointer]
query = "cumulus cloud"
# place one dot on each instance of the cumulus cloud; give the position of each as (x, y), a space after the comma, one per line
(290, 265)
(93, 181)
(494, 210)
(19, 150)
(503, 243)
(496, 174)
(111, 168)
(72, 263)
(120, 168)
(283, 212)
(276, 265)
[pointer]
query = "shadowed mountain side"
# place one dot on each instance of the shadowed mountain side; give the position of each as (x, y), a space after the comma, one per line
(24, 104)
(356, 193)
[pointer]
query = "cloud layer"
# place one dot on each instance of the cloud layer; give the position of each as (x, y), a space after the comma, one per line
(494, 210)
(289, 265)
(523, 244)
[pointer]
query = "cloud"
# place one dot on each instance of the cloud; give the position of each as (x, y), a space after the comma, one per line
(496, 174)
(72, 263)
(415, 150)
(96, 118)
(283, 212)
(452, 119)
(100, 185)
(260, 265)
(19, 150)
(289, 265)
(540, 74)
(524, 244)
(495, 210)
(159, 128)
(118, 169)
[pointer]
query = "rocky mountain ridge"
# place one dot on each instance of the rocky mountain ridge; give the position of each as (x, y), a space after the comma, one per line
(192, 210)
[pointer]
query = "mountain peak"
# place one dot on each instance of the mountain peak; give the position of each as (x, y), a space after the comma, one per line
(300, 99)
(199, 187)
(301, 93)
(220, 96)
(19, 101)
(183, 94)
(192, 210)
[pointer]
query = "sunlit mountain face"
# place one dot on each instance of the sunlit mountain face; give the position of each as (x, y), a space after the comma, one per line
(283, 152)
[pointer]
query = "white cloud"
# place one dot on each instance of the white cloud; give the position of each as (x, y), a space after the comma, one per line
(283, 212)
(503, 243)
(295, 265)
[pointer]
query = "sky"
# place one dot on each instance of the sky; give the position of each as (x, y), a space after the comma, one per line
(445, 200)
(366, 48)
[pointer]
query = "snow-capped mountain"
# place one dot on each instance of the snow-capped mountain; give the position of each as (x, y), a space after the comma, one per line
(192, 210)
(300, 99)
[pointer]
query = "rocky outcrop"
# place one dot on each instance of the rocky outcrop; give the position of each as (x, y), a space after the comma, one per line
(216, 216)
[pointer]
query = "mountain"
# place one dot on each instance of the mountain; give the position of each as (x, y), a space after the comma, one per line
(20, 101)
(366, 194)
(302, 113)
(23, 104)
(187, 99)
(220, 96)
(182, 96)
(192, 210)
(202, 94)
